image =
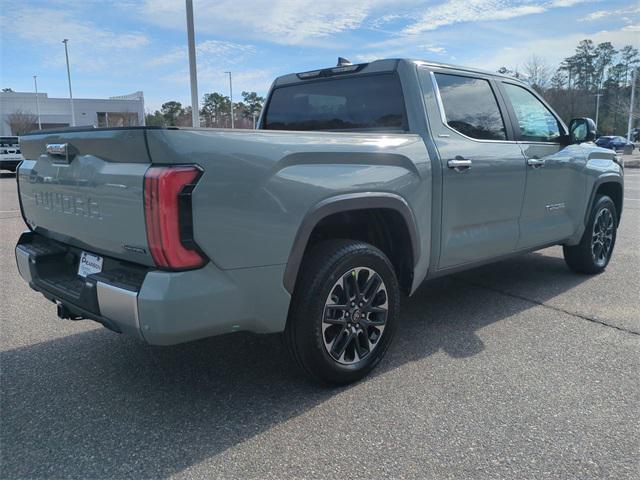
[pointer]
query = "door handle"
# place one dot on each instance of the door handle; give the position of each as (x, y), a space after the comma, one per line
(535, 162)
(459, 163)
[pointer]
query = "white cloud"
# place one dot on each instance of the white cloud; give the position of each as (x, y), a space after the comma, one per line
(279, 21)
(392, 52)
(367, 57)
(210, 50)
(457, 11)
(626, 15)
(567, 3)
(48, 26)
(384, 19)
(90, 46)
(554, 49)
(435, 49)
(596, 15)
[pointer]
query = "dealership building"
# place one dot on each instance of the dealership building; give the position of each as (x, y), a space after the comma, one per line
(120, 111)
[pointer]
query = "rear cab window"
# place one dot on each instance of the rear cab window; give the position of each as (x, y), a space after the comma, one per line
(358, 103)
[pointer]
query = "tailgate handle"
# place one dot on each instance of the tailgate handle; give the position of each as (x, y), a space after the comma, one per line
(61, 152)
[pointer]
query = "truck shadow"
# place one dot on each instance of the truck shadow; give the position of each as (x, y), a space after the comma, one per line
(96, 405)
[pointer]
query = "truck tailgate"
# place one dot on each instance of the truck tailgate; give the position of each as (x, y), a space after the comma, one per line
(93, 197)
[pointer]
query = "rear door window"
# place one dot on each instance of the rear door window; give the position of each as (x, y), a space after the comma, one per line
(470, 106)
(366, 102)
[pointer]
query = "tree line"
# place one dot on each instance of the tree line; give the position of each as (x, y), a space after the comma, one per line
(215, 112)
(572, 88)
(593, 71)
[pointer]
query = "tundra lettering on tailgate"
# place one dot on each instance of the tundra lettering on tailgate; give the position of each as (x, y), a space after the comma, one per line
(70, 204)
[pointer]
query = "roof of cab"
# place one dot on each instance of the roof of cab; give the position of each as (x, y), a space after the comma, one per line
(386, 65)
(377, 66)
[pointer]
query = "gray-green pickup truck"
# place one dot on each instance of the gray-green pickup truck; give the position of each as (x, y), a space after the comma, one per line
(361, 182)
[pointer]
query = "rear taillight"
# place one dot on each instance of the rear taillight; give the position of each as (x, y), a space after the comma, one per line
(167, 209)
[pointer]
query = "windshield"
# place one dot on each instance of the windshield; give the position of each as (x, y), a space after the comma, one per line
(9, 141)
(372, 102)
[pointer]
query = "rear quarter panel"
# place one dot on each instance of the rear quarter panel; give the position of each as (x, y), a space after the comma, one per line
(258, 185)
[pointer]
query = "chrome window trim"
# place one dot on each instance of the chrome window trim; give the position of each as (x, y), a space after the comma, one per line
(443, 116)
(460, 68)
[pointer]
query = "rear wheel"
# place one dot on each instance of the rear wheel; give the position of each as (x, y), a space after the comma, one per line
(594, 251)
(344, 311)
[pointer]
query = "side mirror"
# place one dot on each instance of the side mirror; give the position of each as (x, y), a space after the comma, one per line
(582, 130)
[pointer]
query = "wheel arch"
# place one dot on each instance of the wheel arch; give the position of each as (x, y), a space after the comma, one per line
(393, 219)
(610, 185)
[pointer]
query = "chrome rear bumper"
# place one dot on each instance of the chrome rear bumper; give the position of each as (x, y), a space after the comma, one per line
(115, 306)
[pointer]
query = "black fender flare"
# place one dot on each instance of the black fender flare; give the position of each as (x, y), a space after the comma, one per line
(344, 203)
(607, 178)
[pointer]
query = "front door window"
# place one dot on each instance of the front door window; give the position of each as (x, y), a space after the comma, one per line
(536, 122)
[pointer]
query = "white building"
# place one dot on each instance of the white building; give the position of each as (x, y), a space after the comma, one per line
(120, 111)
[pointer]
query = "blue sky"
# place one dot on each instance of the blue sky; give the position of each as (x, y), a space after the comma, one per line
(120, 46)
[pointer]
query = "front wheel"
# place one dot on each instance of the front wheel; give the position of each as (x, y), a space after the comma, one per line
(594, 251)
(344, 311)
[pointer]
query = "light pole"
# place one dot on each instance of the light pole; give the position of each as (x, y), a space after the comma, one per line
(35, 82)
(66, 54)
(231, 97)
(598, 95)
(195, 113)
(634, 77)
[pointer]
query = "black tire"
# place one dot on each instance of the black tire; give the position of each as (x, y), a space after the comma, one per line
(586, 257)
(318, 287)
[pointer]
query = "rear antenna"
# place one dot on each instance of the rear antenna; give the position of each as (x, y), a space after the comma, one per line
(343, 61)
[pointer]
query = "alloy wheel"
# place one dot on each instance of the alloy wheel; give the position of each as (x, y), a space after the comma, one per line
(602, 236)
(355, 315)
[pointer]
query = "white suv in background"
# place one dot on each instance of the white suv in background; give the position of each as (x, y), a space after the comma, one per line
(10, 155)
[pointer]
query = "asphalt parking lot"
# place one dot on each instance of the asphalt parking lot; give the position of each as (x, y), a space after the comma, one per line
(520, 369)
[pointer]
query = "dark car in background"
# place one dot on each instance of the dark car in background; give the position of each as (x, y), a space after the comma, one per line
(614, 143)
